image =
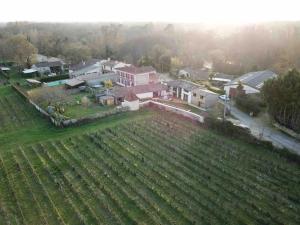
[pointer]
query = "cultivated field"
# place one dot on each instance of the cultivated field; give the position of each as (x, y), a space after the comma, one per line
(158, 170)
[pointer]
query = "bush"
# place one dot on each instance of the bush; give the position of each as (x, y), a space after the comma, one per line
(249, 103)
(54, 78)
(227, 128)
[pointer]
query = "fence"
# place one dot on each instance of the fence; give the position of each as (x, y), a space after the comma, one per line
(174, 109)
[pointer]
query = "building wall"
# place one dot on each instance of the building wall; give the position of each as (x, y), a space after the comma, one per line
(141, 79)
(41, 69)
(203, 99)
(145, 95)
(186, 93)
(248, 89)
(133, 105)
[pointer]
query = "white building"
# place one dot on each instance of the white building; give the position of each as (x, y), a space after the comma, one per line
(193, 94)
(133, 76)
(252, 82)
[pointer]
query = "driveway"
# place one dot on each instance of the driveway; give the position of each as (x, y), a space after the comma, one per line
(263, 130)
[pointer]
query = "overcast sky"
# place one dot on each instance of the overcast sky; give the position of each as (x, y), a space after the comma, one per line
(211, 11)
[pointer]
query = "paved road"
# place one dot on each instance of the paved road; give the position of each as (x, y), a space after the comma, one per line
(266, 132)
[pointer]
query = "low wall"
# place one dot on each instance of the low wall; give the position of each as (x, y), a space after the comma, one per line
(87, 119)
(174, 109)
(287, 131)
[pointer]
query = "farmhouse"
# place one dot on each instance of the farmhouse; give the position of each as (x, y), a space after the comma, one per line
(48, 67)
(193, 94)
(133, 76)
(252, 82)
(84, 68)
(194, 73)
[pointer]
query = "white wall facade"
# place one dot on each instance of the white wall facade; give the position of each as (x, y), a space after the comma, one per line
(141, 79)
(133, 105)
(188, 93)
(145, 95)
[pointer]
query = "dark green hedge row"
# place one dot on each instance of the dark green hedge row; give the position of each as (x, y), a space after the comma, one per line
(228, 129)
(54, 78)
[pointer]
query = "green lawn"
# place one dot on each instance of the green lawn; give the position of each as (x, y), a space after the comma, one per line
(77, 111)
(146, 167)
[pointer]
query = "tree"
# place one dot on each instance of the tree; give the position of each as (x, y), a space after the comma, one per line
(145, 61)
(165, 63)
(21, 51)
(108, 85)
(282, 98)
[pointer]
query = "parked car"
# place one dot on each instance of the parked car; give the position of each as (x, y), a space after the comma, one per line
(224, 97)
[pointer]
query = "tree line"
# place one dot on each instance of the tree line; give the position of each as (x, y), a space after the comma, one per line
(167, 47)
(282, 96)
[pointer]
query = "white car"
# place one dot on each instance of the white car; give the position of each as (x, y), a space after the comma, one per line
(224, 97)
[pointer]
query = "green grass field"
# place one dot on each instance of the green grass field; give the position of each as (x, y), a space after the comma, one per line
(148, 167)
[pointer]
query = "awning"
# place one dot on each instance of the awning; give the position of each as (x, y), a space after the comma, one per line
(29, 71)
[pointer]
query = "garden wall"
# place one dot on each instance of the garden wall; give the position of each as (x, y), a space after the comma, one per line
(25, 96)
(174, 109)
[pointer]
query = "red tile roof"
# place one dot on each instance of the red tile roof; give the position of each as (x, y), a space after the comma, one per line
(136, 70)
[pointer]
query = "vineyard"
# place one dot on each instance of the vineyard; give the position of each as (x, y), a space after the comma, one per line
(158, 170)
(15, 112)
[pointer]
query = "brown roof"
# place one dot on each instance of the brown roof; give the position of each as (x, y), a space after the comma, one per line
(136, 70)
(130, 96)
(122, 91)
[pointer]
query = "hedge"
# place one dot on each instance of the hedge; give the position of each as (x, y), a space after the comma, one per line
(54, 78)
(230, 130)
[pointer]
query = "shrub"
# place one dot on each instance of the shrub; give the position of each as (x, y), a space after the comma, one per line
(54, 78)
(227, 128)
(249, 103)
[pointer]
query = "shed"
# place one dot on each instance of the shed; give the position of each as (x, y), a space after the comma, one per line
(72, 83)
(106, 99)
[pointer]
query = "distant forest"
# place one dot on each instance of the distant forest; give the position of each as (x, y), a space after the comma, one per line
(167, 47)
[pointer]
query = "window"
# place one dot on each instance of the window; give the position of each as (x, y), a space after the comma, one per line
(201, 97)
(194, 94)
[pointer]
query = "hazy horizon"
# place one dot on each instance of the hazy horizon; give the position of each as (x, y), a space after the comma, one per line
(133, 11)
